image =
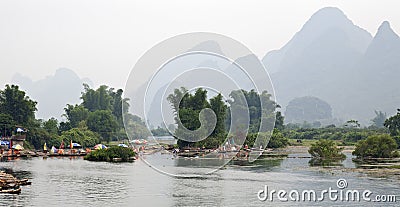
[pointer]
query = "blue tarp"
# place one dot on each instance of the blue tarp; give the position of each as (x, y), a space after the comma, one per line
(4, 143)
(123, 145)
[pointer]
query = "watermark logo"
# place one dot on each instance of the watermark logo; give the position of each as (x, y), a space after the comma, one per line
(175, 68)
(340, 193)
(341, 183)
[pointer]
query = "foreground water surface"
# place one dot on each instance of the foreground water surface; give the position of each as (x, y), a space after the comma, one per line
(76, 182)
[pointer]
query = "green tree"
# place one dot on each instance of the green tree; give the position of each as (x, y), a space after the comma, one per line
(64, 126)
(99, 99)
(38, 135)
(279, 121)
(6, 125)
(120, 105)
(105, 98)
(51, 126)
(75, 114)
(252, 103)
(278, 140)
(376, 146)
(218, 106)
(326, 149)
(17, 104)
(393, 124)
(187, 108)
(102, 122)
(81, 135)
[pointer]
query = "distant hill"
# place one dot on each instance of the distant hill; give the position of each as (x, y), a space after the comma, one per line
(53, 92)
(175, 71)
(333, 59)
(329, 58)
(308, 109)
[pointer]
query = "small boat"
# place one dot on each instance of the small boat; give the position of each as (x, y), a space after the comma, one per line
(24, 182)
(11, 191)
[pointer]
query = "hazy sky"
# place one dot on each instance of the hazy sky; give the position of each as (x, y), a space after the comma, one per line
(103, 39)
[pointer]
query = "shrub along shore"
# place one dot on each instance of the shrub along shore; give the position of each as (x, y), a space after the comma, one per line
(112, 154)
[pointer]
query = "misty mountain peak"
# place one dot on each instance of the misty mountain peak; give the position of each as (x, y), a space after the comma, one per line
(384, 25)
(330, 13)
(65, 72)
(385, 44)
(328, 29)
(52, 92)
(326, 21)
(326, 18)
(386, 31)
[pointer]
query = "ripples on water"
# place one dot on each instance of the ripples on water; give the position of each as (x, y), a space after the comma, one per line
(76, 182)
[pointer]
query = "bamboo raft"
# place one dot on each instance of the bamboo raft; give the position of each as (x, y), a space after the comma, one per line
(10, 184)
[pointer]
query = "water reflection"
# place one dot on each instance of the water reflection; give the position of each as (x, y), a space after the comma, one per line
(316, 162)
(260, 165)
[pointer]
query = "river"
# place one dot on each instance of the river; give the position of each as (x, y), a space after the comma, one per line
(76, 182)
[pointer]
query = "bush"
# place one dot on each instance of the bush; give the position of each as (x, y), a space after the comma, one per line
(376, 146)
(278, 140)
(110, 153)
(326, 149)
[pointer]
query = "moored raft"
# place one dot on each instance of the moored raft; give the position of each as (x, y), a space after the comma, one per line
(10, 184)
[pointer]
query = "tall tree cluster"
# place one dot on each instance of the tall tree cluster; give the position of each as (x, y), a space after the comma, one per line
(187, 107)
(260, 106)
(16, 106)
(101, 111)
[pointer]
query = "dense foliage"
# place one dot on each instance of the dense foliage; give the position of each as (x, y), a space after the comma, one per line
(260, 107)
(81, 135)
(393, 124)
(326, 149)
(277, 140)
(376, 146)
(187, 108)
(6, 123)
(17, 105)
(100, 118)
(110, 153)
(102, 111)
(346, 135)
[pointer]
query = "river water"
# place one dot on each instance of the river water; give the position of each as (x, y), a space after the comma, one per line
(76, 182)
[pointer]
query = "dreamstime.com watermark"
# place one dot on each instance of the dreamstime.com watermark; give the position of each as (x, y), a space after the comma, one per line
(338, 194)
